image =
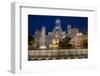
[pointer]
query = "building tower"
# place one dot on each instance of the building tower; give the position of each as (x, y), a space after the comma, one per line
(58, 25)
(57, 29)
(42, 38)
(58, 22)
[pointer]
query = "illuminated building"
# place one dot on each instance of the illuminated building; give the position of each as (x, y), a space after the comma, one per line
(77, 40)
(56, 35)
(51, 40)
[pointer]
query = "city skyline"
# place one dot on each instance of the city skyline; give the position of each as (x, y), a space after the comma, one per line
(35, 22)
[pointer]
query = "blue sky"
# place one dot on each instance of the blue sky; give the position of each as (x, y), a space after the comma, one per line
(35, 22)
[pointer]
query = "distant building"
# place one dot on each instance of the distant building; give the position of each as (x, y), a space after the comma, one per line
(76, 36)
(71, 32)
(77, 40)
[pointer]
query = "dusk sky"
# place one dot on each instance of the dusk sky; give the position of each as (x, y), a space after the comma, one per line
(35, 22)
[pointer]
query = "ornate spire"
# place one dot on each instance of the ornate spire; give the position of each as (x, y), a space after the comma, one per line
(58, 22)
